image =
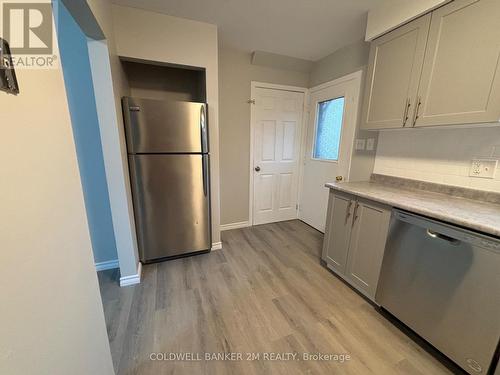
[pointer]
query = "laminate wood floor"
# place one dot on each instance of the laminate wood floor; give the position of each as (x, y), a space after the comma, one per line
(264, 292)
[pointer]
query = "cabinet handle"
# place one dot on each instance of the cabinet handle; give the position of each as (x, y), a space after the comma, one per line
(416, 111)
(407, 110)
(348, 212)
(355, 213)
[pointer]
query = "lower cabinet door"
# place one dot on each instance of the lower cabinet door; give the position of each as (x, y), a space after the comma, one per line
(367, 245)
(338, 231)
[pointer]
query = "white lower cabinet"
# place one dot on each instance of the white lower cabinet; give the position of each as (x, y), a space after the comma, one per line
(355, 236)
(337, 237)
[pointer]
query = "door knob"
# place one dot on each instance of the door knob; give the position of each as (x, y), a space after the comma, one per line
(257, 169)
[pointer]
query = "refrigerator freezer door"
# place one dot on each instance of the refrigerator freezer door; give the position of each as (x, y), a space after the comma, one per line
(156, 126)
(171, 204)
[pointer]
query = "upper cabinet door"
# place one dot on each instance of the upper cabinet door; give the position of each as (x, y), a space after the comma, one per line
(394, 70)
(460, 81)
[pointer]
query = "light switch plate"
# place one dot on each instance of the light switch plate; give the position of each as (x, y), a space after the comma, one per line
(370, 144)
(360, 144)
(483, 168)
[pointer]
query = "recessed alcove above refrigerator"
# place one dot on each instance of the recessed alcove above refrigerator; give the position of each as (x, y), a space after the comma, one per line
(160, 81)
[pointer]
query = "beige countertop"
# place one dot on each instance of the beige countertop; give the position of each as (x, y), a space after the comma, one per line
(472, 214)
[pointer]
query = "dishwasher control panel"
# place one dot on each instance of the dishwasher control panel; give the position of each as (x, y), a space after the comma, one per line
(464, 235)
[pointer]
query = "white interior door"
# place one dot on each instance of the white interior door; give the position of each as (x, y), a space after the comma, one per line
(331, 129)
(277, 128)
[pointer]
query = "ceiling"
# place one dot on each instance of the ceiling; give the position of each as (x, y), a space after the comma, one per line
(307, 29)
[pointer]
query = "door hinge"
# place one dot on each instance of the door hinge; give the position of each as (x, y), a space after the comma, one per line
(297, 207)
(251, 101)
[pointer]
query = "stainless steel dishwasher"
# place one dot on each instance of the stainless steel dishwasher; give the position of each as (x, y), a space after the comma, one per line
(444, 283)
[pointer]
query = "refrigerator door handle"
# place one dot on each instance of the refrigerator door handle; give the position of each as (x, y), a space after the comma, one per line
(204, 168)
(204, 128)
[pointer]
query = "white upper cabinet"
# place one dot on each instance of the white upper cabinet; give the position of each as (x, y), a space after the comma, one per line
(395, 65)
(440, 69)
(460, 81)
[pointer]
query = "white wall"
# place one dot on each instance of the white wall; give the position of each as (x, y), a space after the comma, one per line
(280, 62)
(158, 37)
(391, 14)
(236, 73)
(110, 83)
(85, 123)
(51, 311)
(112, 135)
(438, 155)
(343, 61)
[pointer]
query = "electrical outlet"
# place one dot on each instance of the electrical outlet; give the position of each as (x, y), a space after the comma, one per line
(360, 144)
(370, 144)
(483, 168)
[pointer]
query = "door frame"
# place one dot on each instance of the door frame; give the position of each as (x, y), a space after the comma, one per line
(356, 79)
(257, 85)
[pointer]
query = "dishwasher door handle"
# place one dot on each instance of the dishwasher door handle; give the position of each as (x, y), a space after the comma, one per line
(443, 237)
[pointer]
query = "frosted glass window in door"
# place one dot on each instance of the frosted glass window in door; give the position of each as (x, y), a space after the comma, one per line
(328, 129)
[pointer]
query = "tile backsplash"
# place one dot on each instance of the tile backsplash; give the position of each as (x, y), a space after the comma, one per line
(439, 155)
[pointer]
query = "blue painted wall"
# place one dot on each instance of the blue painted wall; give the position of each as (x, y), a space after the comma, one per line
(81, 100)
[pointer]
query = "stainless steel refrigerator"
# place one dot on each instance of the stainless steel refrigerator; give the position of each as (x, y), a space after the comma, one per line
(168, 155)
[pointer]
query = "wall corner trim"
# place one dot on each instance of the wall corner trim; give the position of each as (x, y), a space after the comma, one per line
(107, 265)
(216, 246)
(132, 279)
(240, 224)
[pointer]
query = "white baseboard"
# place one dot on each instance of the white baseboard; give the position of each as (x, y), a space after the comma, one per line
(107, 265)
(216, 245)
(241, 224)
(132, 279)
